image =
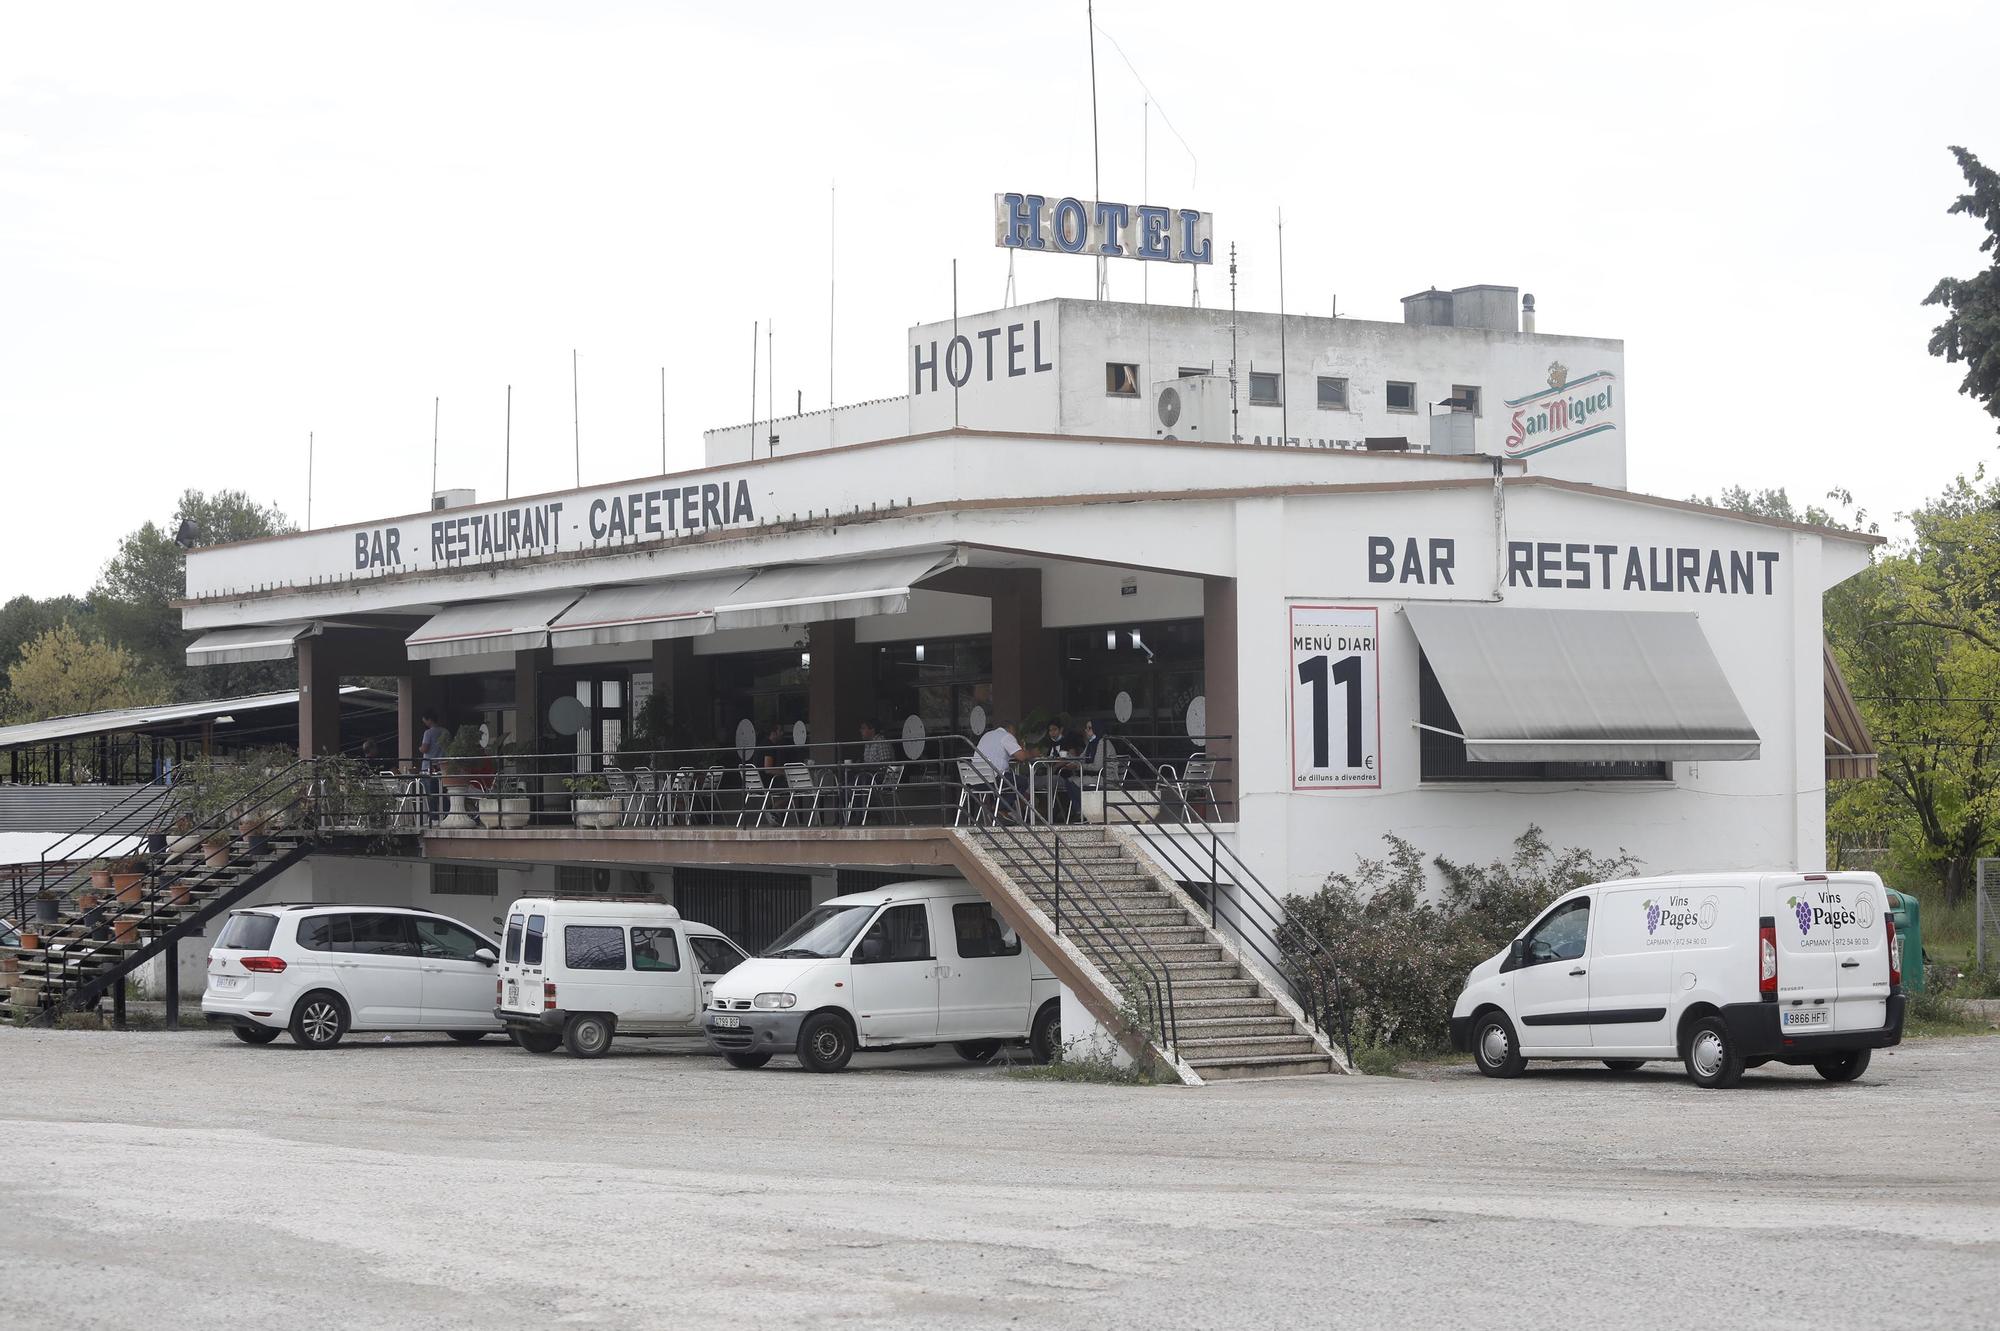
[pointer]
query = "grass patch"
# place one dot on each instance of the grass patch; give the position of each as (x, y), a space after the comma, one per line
(1933, 1015)
(134, 1021)
(1390, 1060)
(1093, 1068)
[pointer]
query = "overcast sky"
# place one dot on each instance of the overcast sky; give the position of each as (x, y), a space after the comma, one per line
(224, 227)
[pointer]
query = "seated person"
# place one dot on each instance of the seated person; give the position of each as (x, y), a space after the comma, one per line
(993, 760)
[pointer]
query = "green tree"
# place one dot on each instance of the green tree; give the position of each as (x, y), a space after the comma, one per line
(1778, 504)
(24, 619)
(62, 673)
(1918, 637)
(1971, 329)
(135, 595)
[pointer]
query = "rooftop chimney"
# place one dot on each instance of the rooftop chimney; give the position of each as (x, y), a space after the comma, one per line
(1528, 313)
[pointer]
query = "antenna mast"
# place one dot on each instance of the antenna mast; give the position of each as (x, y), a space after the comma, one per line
(753, 390)
(1284, 363)
(1235, 433)
(832, 257)
(575, 418)
(1096, 172)
(663, 420)
(507, 467)
(309, 480)
(434, 447)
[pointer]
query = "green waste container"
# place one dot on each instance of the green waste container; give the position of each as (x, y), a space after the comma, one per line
(1905, 910)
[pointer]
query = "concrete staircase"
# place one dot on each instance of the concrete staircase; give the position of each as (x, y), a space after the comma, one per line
(1228, 1020)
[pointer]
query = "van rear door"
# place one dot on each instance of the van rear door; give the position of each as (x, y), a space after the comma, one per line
(520, 992)
(1862, 977)
(1805, 909)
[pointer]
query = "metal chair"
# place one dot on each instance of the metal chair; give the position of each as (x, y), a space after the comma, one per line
(1194, 781)
(621, 787)
(651, 797)
(883, 781)
(977, 796)
(679, 797)
(708, 797)
(757, 794)
(802, 792)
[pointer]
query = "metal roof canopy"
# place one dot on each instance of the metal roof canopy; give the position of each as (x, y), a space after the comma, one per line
(838, 589)
(679, 608)
(130, 719)
(257, 642)
(473, 627)
(1538, 685)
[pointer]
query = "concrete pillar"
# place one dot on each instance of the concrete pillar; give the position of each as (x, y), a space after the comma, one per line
(319, 698)
(1027, 658)
(528, 667)
(1262, 730)
(416, 693)
(686, 681)
(839, 686)
(1808, 730)
(1219, 683)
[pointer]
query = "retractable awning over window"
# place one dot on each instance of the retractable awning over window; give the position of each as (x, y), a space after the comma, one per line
(488, 626)
(682, 608)
(1534, 685)
(259, 642)
(853, 589)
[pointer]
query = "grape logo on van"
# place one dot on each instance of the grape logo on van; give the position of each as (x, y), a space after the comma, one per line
(1676, 914)
(1823, 907)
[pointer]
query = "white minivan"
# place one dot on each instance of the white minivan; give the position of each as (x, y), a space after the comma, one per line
(909, 965)
(1723, 971)
(577, 971)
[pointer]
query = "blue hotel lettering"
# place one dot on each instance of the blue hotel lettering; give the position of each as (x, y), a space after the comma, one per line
(1099, 228)
(1022, 352)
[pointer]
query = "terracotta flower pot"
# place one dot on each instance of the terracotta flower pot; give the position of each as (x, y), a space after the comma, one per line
(126, 931)
(130, 887)
(215, 852)
(177, 893)
(30, 942)
(88, 900)
(100, 880)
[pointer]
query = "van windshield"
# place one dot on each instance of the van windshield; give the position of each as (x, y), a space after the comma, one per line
(825, 931)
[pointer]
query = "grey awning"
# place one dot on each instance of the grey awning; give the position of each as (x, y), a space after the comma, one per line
(850, 589)
(682, 608)
(488, 626)
(261, 642)
(1532, 685)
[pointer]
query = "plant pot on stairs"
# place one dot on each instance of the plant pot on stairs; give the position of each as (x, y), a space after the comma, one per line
(215, 852)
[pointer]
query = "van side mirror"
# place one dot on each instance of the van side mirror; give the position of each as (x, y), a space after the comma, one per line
(1517, 955)
(486, 956)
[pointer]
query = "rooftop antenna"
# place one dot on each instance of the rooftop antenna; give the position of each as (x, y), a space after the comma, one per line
(309, 480)
(663, 420)
(1145, 187)
(1235, 433)
(771, 384)
(575, 418)
(1096, 173)
(434, 446)
(832, 257)
(1284, 363)
(507, 468)
(954, 346)
(753, 389)
(1007, 299)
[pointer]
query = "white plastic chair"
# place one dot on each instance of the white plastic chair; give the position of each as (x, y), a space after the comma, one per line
(802, 794)
(757, 794)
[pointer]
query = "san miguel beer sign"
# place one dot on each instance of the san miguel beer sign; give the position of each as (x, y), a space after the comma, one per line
(1564, 412)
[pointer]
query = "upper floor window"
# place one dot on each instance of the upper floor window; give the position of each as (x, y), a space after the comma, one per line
(1121, 379)
(1264, 390)
(1465, 398)
(1401, 396)
(1332, 394)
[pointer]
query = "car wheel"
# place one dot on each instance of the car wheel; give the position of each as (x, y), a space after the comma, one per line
(319, 1020)
(1045, 1039)
(746, 1060)
(976, 1051)
(1495, 1051)
(825, 1042)
(1710, 1055)
(587, 1036)
(537, 1042)
(467, 1037)
(256, 1034)
(1842, 1067)
(1624, 1064)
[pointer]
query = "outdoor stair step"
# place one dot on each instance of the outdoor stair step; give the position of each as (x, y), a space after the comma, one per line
(1144, 949)
(1282, 1065)
(1222, 989)
(1180, 972)
(1192, 1028)
(1242, 1046)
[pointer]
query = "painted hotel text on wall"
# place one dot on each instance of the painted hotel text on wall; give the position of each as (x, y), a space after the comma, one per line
(1006, 351)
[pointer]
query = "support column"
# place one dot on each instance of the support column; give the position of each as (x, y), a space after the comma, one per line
(416, 693)
(1027, 658)
(686, 680)
(319, 698)
(1219, 682)
(838, 688)
(528, 668)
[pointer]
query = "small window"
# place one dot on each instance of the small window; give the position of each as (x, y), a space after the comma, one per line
(446, 940)
(1561, 937)
(248, 932)
(1401, 396)
(531, 955)
(513, 940)
(1121, 379)
(1332, 394)
(327, 933)
(1193, 371)
(594, 947)
(1465, 398)
(1264, 389)
(901, 934)
(655, 950)
(981, 933)
(384, 935)
(714, 956)
(465, 880)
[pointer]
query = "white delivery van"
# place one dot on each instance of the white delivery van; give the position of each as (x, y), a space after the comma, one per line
(1722, 971)
(577, 971)
(912, 964)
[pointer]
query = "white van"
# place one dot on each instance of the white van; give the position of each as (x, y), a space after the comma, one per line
(577, 971)
(909, 965)
(1721, 970)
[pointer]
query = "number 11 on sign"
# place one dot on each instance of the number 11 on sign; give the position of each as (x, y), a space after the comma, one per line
(1336, 729)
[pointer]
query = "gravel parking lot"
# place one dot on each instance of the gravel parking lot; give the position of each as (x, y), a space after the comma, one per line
(184, 1180)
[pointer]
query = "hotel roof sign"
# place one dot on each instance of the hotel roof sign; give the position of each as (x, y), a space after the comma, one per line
(1064, 225)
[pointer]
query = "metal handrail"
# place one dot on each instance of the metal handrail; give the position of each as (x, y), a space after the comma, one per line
(1296, 945)
(1042, 835)
(145, 795)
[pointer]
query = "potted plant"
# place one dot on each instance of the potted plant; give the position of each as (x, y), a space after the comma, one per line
(100, 877)
(505, 804)
(128, 880)
(466, 767)
(48, 909)
(182, 841)
(592, 804)
(352, 799)
(30, 942)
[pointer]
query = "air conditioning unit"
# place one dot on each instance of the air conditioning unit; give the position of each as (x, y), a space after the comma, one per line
(452, 499)
(1195, 407)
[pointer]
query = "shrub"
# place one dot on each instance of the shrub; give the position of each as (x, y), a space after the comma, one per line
(1403, 955)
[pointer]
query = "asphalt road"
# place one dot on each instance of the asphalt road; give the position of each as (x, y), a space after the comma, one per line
(183, 1180)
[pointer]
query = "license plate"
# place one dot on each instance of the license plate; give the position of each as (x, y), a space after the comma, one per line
(513, 993)
(727, 1022)
(1802, 1018)
(226, 981)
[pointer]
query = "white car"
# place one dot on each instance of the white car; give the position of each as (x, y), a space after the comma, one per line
(322, 971)
(909, 965)
(578, 971)
(1723, 971)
